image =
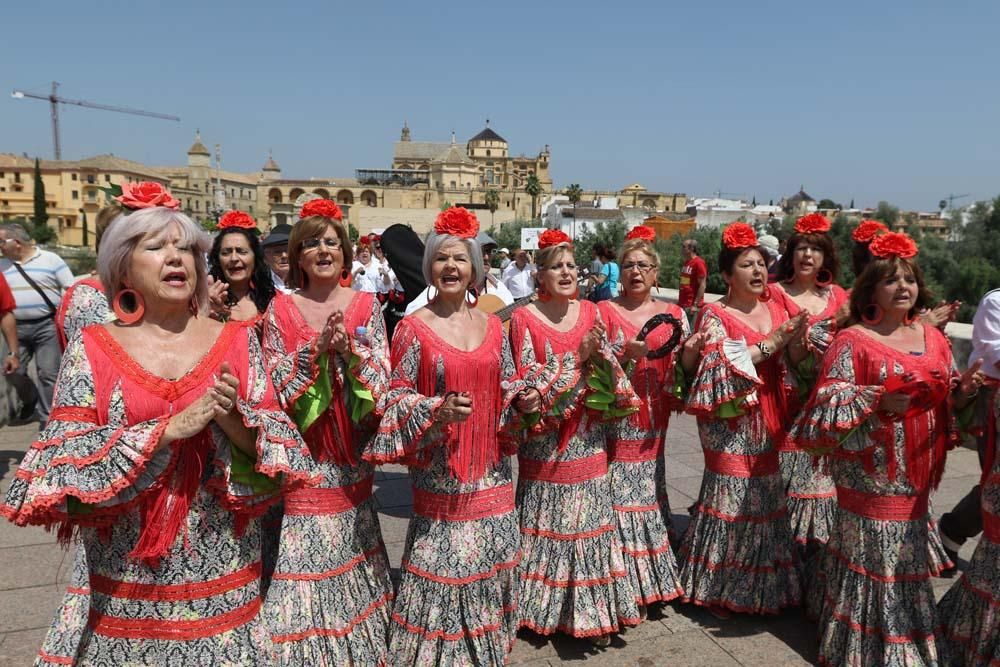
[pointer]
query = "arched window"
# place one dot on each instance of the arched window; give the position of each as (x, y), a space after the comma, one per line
(369, 198)
(274, 196)
(345, 197)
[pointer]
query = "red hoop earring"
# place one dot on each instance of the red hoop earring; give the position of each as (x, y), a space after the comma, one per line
(124, 316)
(474, 293)
(872, 314)
(345, 278)
(765, 296)
(543, 296)
(908, 319)
(824, 278)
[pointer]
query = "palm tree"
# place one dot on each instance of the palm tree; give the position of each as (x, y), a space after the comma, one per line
(492, 202)
(575, 194)
(534, 188)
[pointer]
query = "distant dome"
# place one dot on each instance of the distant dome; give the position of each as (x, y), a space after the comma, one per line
(487, 135)
(198, 148)
(271, 165)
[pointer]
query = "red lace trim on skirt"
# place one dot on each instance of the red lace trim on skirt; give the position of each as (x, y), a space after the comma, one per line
(464, 506)
(742, 465)
(991, 527)
(328, 501)
(175, 592)
(159, 628)
(882, 508)
(564, 472)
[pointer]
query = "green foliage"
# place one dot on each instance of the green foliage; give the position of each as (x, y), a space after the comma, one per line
(508, 234)
(607, 234)
(492, 201)
(887, 213)
(209, 224)
(534, 188)
(352, 232)
(41, 214)
(827, 204)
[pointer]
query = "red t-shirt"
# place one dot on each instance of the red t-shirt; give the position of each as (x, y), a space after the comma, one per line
(694, 272)
(7, 303)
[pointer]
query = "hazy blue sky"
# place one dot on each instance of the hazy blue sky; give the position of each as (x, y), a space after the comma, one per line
(865, 100)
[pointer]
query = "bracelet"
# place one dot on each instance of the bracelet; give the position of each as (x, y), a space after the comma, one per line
(764, 351)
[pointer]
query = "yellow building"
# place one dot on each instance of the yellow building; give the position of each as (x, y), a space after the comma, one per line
(72, 191)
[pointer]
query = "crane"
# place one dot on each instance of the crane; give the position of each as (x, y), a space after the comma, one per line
(55, 101)
(950, 201)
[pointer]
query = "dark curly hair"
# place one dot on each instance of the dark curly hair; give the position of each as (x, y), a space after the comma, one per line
(786, 265)
(262, 290)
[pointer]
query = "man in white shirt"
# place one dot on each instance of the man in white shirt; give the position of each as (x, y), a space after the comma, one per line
(38, 279)
(965, 520)
(519, 277)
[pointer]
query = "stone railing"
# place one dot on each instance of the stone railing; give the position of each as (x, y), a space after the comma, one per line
(959, 333)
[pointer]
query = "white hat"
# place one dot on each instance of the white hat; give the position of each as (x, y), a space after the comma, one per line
(505, 251)
(769, 243)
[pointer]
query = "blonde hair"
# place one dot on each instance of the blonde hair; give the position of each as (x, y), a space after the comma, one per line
(645, 246)
(548, 255)
(314, 227)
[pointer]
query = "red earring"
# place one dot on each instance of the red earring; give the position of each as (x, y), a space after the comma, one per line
(765, 295)
(345, 278)
(908, 319)
(543, 296)
(124, 316)
(872, 314)
(824, 278)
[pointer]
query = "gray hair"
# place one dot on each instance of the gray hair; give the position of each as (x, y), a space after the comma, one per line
(126, 231)
(16, 232)
(436, 241)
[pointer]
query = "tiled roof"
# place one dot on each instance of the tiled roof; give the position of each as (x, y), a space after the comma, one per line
(420, 150)
(487, 135)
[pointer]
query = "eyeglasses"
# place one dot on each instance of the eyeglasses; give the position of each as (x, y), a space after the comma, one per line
(642, 266)
(313, 244)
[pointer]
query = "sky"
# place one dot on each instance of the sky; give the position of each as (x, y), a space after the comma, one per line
(875, 100)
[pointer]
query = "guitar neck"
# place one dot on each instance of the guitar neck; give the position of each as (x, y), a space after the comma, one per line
(506, 312)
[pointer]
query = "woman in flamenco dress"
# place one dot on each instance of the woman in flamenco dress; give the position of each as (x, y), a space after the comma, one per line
(450, 416)
(328, 601)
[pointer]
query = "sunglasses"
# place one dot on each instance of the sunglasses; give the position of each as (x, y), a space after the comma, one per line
(313, 244)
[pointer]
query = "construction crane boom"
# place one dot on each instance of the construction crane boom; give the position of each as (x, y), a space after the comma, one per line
(55, 101)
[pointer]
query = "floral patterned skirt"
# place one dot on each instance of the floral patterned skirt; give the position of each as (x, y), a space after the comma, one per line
(63, 638)
(457, 600)
(970, 612)
(811, 496)
(738, 551)
(573, 574)
(328, 603)
(879, 604)
(642, 514)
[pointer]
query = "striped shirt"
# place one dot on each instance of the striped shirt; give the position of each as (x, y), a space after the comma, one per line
(49, 272)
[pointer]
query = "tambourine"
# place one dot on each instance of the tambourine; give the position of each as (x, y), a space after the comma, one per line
(675, 336)
(925, 390)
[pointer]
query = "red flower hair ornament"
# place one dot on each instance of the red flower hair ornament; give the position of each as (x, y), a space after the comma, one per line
(323, 208)
(739, 235)
(868, 230)
(237, 220)
(145, 194)
(893, 244)
(551, 237)
(641, 232)
(457, 221)
(814, 223)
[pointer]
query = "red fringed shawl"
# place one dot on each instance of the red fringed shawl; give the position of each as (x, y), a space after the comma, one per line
(473, 444)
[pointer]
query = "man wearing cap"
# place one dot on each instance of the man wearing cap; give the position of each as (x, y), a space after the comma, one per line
(275, 246)
(770, 245)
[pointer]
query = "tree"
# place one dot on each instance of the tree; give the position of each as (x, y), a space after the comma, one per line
(828, 204)
(886, 213)
(509, 234)
(534, 188)
(852, 204)
(575, 194)
(753, 204)
(352, 232)
(40, 230)
(492, 202)
(209, 224)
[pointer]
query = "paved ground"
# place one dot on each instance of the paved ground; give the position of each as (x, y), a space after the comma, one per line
(34, 571)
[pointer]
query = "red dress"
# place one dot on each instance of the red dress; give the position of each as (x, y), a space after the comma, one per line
(812, 499)
(877, 605)
(328, 602)
(177, 524)
(637, 467)
(738, 551)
